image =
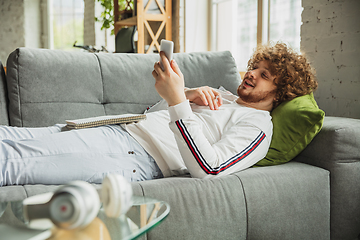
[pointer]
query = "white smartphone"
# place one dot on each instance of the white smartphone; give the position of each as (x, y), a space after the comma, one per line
(168, 48)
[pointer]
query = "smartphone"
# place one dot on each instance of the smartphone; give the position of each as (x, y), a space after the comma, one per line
(168, 48)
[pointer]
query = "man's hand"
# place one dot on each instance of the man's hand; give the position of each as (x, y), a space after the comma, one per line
(204, 96)
(170, 82)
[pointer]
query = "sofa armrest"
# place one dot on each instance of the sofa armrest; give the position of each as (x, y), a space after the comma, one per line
(337, 149)
(338, 142)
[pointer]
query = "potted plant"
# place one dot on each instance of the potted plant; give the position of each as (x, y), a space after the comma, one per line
(107, 15)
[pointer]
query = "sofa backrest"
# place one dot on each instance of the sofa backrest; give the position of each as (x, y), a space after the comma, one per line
(49, 86)
(4, 117)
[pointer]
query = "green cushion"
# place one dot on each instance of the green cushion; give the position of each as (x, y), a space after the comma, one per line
(296, 123)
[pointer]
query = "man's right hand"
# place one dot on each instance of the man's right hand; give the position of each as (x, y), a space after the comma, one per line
(169, 83)
(204, 96)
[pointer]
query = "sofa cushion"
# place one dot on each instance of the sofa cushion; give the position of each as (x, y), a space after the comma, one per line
(296, 123)
(50, 86)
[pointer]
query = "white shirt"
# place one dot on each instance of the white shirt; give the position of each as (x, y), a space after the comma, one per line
(191, 138)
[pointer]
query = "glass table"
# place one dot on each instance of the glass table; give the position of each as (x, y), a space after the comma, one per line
(145, 214)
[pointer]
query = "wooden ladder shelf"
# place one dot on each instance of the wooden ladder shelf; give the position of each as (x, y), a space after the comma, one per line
(142, 19)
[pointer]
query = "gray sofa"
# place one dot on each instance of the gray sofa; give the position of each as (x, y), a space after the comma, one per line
(315, 196)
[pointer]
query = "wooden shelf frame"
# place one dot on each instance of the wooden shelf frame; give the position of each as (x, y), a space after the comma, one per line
(142, 20)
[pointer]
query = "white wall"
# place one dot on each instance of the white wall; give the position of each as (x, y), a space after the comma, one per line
(32, 23)
(20, 26)
(12, 31)
(93, 35)
(225, 30)
(196, 25)
(330, 36)
(103, 37)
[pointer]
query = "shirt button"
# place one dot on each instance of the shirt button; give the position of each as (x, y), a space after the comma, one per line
(134, 171)
(131, 152)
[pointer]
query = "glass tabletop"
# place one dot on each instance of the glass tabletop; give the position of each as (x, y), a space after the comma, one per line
(144, 214)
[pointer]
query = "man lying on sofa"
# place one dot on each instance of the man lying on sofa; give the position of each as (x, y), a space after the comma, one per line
(204, 131)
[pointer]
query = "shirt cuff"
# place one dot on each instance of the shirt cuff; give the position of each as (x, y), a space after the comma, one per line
(180, 111)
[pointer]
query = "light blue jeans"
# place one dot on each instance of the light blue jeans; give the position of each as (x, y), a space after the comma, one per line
(52, 156)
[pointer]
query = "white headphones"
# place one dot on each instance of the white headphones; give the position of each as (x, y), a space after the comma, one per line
(76, 204)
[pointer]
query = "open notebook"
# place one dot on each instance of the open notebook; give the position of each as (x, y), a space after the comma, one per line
(104, 120)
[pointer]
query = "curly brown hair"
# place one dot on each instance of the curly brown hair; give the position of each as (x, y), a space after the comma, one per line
(294, 76)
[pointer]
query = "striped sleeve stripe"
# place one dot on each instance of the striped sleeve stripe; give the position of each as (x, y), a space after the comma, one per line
(230, 162)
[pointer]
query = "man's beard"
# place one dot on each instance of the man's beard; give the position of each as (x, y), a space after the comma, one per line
(255, 97)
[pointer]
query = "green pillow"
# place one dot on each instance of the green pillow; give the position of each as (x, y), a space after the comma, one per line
(296, 123)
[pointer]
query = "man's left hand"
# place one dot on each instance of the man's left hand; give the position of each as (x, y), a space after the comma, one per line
(204, 96)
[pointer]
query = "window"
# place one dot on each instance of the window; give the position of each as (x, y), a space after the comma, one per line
(67, 23)
(240, 25)
(285, 22)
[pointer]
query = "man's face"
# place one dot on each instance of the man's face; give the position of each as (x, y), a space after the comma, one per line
(258, 84)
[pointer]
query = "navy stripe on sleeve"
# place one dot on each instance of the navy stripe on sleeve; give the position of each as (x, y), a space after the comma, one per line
(230, 162)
